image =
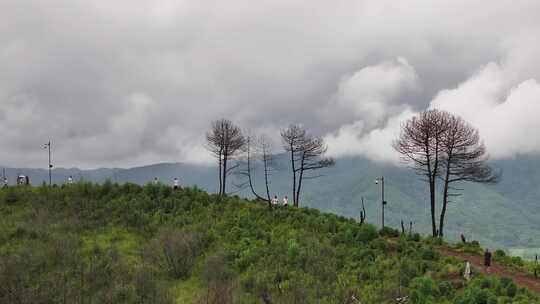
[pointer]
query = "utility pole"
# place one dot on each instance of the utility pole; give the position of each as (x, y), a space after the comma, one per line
(48, 146)
(383, 202)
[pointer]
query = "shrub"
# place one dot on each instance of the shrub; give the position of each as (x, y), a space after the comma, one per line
(415, 237)
(446, 289)
(499, 253)
(389, 232)
(423, 291)
(366, 233)
(430, 254)
(517, 261)
(219, 279)
(175, 251)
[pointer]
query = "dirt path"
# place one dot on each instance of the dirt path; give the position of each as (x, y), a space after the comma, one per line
(520, 278)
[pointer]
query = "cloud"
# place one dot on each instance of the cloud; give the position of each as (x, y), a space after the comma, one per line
(504, 110)
(375, 144)
(372, 93)
(113, 83)
(372, 97)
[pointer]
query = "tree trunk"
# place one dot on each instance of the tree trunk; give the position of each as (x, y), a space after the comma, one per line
(265, 161)
(432, 203)
(443, 210)
(220, 168)
(433, 188)
(298, 189)
(294, 175)
(224, 186)
(445, 195)
(302, 164)
(249, 174)
(431, 179)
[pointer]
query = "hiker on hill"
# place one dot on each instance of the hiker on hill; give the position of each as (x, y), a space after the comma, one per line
(463, 239)
(156, 181)
(536, 268)
(487, 259)
(275, 200)
(176, 183)
(70, 180)
(5, 181)
(285, 201)
(467, 272)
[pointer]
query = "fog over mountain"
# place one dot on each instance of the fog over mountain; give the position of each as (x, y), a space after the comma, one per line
(118, 83)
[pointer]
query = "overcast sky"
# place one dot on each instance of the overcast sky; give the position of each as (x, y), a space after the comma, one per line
(123, 83)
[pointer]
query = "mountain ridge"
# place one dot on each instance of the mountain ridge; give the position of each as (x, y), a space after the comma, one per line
(502, 215)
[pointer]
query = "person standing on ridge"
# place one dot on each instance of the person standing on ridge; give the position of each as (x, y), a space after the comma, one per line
(176, 183)
(487, 259)
(285, 201)
(275, 200)
(70, 180)
(156, 181)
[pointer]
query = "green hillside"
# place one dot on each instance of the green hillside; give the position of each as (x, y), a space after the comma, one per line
(110, 243)
(500, 216)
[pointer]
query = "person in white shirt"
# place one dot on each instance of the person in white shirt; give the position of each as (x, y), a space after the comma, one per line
(70, 180)
(176, 183)
(285, 201)
(467, 272)
(275, 200)
(156, 181)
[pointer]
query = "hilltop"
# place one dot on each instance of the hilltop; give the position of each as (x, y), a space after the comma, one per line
(500, 216)
(110, 243)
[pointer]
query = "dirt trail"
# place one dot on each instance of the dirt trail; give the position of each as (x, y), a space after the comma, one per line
(520, 278)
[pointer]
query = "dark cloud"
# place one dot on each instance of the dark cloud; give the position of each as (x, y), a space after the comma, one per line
(119, 83)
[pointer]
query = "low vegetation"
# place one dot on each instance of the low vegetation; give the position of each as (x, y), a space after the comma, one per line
(89, 243)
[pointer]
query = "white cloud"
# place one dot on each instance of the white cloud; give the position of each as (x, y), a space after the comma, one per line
(372, 93)
(504, 110)
(70, 69)
(375, 144)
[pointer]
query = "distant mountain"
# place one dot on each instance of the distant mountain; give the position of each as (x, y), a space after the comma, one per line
(502, 215)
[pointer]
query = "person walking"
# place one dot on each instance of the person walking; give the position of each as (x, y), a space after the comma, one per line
(467, 272)
(285, 201)
(176, 183)
(70, 180)
(275, 200)
(487, 259)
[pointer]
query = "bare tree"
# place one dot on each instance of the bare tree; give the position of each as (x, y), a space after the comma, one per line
(292, 139)
(257, 149)
(312, 158)
(420, 145)
(224, 141)
(363, 214)
(307, 154)
(464, 160)
(267, 159)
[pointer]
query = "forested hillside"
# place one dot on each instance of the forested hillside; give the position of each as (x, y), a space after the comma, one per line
(110, 243)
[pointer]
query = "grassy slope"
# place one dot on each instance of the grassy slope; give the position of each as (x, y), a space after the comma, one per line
(287, 255)
(487, 213)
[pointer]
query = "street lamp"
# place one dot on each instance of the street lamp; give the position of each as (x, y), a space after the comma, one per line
(383, 202)
(48, 146)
